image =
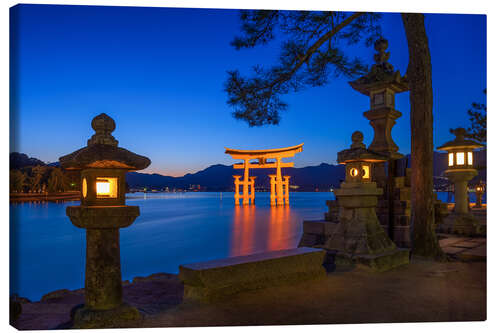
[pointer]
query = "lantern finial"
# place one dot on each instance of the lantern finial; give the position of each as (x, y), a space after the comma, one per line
(380, 46)
(103, 126)
(357, 140)
(459, 133)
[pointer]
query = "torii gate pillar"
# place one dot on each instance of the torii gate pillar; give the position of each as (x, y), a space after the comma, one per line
(252, 190)
(272, 182)
(279, 182)
(287, 185)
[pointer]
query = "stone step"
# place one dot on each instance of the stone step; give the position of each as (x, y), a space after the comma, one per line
(212, 280)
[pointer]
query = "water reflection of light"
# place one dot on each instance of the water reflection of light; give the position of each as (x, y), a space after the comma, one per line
(243, 230)
(258, 230)
(280, 228)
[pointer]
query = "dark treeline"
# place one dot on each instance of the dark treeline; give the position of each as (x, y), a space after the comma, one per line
(30, 175)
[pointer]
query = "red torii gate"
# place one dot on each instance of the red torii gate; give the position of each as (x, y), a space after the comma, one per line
(279, 195)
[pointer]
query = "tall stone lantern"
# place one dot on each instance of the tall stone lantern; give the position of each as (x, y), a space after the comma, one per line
(102, 212)
(460, 171)
(358, 235)
(381, 84)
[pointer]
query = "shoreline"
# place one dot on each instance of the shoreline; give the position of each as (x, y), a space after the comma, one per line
(23, 197)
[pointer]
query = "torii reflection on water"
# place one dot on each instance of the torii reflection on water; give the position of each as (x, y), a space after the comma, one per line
(260, 229)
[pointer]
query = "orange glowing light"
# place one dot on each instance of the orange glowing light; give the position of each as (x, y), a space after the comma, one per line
(84, 187)
(366, 172)
(103, 188)
(107, 187)
(354, 172)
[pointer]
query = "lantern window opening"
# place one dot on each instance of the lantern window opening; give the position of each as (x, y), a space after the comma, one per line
(450, 159)
(461, 158)
(84, 187)
(469, 158)
(354, 172)
(366, 172)
(107, 187)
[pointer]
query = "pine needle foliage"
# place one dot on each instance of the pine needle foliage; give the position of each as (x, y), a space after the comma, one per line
(310, 55)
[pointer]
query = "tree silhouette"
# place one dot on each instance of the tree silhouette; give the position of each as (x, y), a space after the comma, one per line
(310, 55)
(35, 181)
(477, 116)
(57, 182)
(17, 180)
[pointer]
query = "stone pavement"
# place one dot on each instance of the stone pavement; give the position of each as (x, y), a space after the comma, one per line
(464, 248)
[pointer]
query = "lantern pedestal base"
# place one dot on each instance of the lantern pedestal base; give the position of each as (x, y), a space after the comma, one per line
(357, 236)
(461, 224)
(102, 217)
(376, 263)
(123, 316)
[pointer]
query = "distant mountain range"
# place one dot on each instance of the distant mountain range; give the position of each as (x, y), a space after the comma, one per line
(19, 160)
(219, 177)
(321, 177)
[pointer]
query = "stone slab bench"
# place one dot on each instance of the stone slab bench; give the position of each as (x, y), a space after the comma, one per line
(212, 280)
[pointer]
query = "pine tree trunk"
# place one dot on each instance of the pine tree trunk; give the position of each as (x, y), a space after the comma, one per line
(419, 75)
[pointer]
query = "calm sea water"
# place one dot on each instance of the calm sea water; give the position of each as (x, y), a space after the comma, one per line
(48, 252)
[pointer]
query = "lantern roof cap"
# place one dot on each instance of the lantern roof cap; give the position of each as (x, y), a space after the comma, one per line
(460, 142)
(382, 73)
(358, 152)
(102, 151)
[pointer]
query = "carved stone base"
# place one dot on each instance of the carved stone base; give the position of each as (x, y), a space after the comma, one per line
(120, 317)
(354, 232)
(461, 224)
(378, 262)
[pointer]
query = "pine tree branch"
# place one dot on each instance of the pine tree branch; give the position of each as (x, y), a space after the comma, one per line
(314, 48)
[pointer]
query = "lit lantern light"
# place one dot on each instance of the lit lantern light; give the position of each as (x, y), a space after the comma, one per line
(107, 187)
(460, 151)
(460, 166)
(359, 160)
(103, 187)
(354, 172)
(480, 189)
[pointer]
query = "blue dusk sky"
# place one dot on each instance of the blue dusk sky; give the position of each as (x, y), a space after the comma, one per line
(160, 73)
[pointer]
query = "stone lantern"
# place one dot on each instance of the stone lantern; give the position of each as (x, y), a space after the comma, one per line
(358, 235)
(380, 85)
(460, 171)
(480, 189)
(102, 212)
